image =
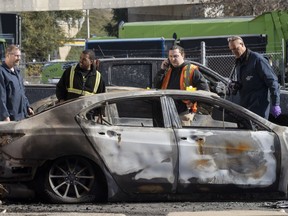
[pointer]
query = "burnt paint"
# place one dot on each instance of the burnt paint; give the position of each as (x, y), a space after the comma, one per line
(139, 156)
(243, 158)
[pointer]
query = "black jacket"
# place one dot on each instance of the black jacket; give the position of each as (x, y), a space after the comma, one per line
(259, 84)
(83, 80)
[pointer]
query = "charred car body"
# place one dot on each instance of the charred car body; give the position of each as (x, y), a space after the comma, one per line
(138, 150)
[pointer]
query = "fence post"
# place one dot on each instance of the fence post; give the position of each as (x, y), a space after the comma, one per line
(203, 53)
(283, 64)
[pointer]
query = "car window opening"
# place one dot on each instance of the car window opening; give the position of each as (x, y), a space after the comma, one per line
(209, 115)
(142, 112)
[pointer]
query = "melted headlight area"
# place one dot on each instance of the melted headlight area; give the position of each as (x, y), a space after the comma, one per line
(6, 138)
(11, 168)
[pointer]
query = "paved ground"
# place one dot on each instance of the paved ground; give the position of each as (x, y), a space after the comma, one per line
(229, 208)
(229, 213)
(59, 214)
(202, 213)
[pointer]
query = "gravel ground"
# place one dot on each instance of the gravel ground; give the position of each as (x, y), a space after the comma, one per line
(139, 209)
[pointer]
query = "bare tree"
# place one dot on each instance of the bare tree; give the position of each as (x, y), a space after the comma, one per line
(214, 8)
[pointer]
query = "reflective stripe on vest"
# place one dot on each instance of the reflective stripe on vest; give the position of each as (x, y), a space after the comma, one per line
(185, 79)
(71, 89)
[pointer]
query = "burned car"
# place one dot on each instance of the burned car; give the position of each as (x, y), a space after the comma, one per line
(130, 146)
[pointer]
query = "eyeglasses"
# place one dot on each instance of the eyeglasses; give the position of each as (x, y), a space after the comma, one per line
(174, 56)
(15, 55)
(233, 38)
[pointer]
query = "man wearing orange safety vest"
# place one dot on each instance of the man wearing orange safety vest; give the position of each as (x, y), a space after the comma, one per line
(81, 79)
(176, 73)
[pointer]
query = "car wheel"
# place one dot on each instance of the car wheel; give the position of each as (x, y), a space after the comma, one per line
(71, 180)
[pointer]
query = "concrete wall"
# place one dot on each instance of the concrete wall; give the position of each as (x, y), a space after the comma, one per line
(49, 5)
(175, 12)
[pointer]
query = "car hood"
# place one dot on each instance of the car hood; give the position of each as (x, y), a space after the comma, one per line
(51, 101)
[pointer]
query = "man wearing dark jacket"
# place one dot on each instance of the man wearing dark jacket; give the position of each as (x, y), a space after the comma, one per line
(176, 73)
(14, 105)
(81, 79)
(255, 79)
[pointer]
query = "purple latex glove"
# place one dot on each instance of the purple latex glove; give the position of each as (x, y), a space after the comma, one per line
(276, 111)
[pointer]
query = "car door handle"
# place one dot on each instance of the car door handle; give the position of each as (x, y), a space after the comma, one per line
(183, 138)
(101, 133)
(113, 133)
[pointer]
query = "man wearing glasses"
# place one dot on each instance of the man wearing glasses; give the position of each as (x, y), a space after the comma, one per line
(255, 80)
(176, 73)
(14, 105)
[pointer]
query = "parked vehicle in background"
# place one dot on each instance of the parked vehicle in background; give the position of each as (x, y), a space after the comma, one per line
(266, 33)
(135, 47)
(272, 25)
(138, 150)
(52, 71)
(140, 72)
(133, 72)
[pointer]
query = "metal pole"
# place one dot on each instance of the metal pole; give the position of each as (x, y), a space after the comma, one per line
(20, 30)
(88, 24)
(16, 30)
(203, 53)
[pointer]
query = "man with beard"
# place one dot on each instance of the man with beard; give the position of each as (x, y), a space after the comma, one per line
(14, 105)
(176, 73)
(81, 79)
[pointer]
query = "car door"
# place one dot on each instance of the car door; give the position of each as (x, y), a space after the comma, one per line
(223, 147)
(135, 144)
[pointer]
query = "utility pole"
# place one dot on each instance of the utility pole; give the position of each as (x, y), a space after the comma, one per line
(19, 30)
(88, 24)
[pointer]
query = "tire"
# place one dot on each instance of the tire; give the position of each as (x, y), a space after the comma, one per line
(70, 180)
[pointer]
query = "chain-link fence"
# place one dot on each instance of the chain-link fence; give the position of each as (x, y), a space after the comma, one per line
(223, 64)
(221, 60)
(217, 58)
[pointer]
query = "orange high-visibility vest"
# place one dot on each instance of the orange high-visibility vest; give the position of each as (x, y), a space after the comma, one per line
(185, 80)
